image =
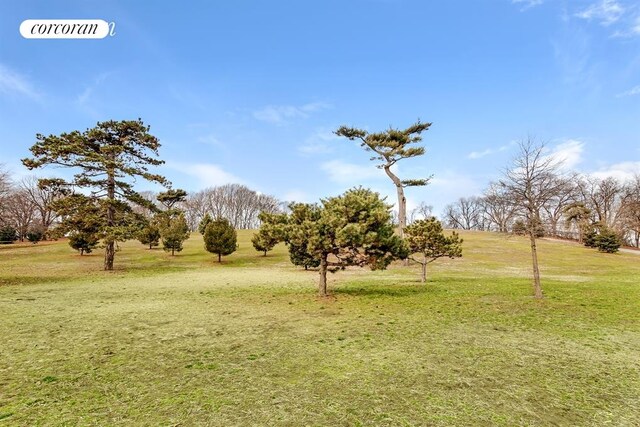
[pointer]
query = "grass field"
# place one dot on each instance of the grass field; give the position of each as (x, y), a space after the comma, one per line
(183, 340)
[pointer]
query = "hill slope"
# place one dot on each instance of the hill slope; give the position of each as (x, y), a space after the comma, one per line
(185, 340)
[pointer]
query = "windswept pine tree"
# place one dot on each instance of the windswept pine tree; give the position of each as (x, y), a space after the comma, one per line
(389, 147)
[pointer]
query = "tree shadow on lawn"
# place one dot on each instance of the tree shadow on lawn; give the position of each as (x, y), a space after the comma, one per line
(405, 289)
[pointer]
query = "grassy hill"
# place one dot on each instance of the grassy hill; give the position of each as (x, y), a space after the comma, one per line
(184, 340)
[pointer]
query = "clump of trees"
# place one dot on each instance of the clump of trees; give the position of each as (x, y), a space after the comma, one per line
(220, 238)
(8, 234)
(578, 204)
(602, 238)
(239, 204)
(35, 234)
(26, 206)
(426, 239)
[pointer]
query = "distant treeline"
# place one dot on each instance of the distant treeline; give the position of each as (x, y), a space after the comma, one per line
(581, 203)
(25, 207)
(237, 203)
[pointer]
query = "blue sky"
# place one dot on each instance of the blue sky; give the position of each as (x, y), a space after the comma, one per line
(250, 91)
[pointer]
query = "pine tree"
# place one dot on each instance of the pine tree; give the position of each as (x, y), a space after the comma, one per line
(83, 242)
(352, 229)
(206, 219)
(150, 234)
(220, 238)
(110, 157)
(297, 242)
(174, 231)
(426, 238)
(271, 232)
(389, 147)
(8, 234)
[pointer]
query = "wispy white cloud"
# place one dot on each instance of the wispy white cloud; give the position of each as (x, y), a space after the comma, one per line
(568, 154)
(13, 83)
(606, 12)
(210, 139)
(573, 53)
(480, 154)
(85, 95)
(631, 92)
(282, 114)
(527, 4)
(635, 27)
(343, 172)
(621, 171)
(207, 174)
(321, 142)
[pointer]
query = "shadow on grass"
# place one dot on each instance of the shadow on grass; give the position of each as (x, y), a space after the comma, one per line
(387, 290)
(33, 280)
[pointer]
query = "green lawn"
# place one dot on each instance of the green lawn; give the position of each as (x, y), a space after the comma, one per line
(186, 341)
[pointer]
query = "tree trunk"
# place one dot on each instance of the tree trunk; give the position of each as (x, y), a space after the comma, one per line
(402, 204)
(537, 288)
(265, 253)
(149, 245)
(322, 287)
(402, 201)
(219, 257)
(109, 251)
(172, 251)
(109, 254)
(423, 264)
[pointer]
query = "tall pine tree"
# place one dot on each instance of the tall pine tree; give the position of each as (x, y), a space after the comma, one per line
(107, 158)
(389, 147)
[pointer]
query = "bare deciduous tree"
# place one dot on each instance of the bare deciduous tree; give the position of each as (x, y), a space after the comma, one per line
(497, 208)
(602, 197)
(5, 189)
(554, 209)
(42, 198)
(531, 182)
(422, 211)
(631, 211)
(465, 214)
(240, 205)
(21, 212)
